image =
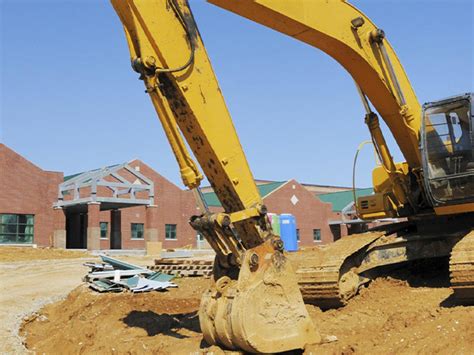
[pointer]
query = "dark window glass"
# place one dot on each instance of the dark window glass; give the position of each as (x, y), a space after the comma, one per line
(137, 231)
(449, 149)
(170, 232)
(16, 228)
(104, 226)
(317, 235)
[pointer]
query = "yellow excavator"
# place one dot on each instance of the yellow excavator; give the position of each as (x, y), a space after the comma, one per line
(255, 303)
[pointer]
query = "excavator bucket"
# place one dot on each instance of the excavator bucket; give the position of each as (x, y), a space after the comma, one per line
(260, 312)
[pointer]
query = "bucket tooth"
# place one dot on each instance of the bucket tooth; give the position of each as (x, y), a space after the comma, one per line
(260, 312)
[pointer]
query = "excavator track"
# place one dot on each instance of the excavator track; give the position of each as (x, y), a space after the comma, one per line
(461, 268)
(320, 274)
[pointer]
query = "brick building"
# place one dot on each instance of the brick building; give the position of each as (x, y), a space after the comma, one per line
(27, 194)
(31, 211)
(127, 205)
(312, 215)
(132, 204)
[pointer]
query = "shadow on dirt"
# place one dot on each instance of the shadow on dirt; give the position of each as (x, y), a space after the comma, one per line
(453, 301)
(422, 273)
(167, 324)
(450, 302)
(432, 273)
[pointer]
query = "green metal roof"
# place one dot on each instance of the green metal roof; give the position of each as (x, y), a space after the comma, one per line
(264, 189)
(341, 199)
(69, 177)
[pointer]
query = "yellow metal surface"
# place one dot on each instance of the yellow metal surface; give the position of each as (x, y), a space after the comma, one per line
(455, 209)
(397, 177)
(374, 206)
(380, 178)
(262, 311)
(244, 214)
(189, 102)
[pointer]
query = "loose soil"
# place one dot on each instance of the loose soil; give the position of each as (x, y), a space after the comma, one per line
(411, 311)
(8, 254)
(25, 286)
(89, 322)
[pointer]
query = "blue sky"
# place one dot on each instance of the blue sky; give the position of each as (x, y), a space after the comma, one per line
(70, 102)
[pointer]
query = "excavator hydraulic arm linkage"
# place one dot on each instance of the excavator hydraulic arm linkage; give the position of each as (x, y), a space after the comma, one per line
(255, 303)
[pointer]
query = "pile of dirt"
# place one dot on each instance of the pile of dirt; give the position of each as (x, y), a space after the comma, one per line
(8, 254)
(390, 316)
(406, 313)
(89, 322)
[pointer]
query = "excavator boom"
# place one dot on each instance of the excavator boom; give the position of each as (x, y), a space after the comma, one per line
(347, 35)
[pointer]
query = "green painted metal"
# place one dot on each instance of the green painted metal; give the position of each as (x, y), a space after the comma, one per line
(104, 285)
(276, 224)
(160, 276)
(132, 281)
(118, 264)
(264, 189)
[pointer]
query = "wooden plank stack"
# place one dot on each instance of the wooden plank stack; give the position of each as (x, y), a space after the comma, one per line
(183, 267)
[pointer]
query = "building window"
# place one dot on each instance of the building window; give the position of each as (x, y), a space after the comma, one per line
(170, 232)
(137, 231)
(317, 235)
(298, 235)
(104, 226)
(17, 228)
(199, 237)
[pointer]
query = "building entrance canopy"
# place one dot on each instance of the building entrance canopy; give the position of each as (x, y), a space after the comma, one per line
(114, 187)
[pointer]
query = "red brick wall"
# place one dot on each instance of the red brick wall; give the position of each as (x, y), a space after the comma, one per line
(174, 206)
(309, 211)
(27, 189)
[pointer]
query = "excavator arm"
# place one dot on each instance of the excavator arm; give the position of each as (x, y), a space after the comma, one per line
(255, 303)
(347, 35)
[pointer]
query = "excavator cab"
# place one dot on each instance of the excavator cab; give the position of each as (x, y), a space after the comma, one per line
(447, 145)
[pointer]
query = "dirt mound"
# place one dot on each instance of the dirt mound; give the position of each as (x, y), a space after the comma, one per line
(389, 316)
(27, 253)
(392, 317)
(88, 322)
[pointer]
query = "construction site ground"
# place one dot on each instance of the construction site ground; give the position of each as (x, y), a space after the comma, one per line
(410, 311)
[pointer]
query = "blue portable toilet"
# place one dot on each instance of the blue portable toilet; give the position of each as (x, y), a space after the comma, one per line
(288, 232)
